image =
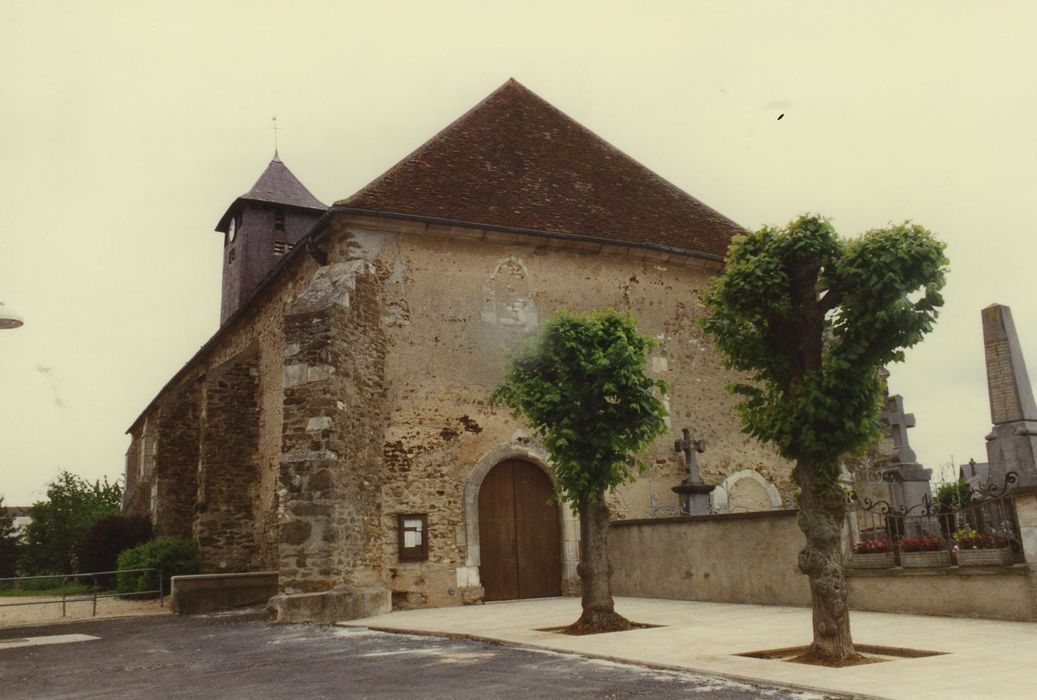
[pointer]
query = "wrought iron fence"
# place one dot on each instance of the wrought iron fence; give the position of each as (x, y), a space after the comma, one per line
(978, 517)
(70, 588)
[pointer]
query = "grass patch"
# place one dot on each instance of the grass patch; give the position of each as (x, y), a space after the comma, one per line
(48, 592)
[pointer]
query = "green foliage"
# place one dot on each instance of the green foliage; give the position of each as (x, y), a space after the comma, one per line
(811, 318)
(581, 384)
(45, 588)
(99, 547)
(72, 506)
(8, 543)
(172, 555)
(954, 494)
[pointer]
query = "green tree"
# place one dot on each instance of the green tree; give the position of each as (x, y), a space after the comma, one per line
(72, 506)
(8, 543)
(811, 318)
(582, 387)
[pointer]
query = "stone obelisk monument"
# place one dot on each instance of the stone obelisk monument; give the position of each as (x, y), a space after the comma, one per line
(1012, 444)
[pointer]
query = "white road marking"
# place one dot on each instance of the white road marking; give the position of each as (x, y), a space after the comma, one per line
(41, 641)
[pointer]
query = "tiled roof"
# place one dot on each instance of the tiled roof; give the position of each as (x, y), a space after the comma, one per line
(277, 185)
(515, 161)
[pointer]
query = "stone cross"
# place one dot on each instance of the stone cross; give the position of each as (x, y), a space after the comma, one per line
(899, 422)
(689, 447)
(693, 491)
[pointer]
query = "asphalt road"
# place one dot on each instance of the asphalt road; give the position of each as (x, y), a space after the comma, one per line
(240, 656)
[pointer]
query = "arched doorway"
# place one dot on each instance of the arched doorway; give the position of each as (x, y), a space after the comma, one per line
(519, 533)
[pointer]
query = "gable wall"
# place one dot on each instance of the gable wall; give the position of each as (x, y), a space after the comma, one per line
(453, 307)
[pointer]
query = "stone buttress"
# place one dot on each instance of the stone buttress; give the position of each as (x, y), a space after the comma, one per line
(331, 461)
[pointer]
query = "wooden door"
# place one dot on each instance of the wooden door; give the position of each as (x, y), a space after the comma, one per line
(519, 533)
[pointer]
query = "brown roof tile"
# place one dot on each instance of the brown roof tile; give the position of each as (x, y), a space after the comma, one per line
(515, 161)
(277, 185)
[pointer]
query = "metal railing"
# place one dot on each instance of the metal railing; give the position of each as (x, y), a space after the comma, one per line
(985, 514)
(78, 596)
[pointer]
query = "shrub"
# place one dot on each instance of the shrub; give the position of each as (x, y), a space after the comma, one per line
(98, 548)
(172, 555)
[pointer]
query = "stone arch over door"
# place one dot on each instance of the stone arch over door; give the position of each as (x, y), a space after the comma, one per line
(745, 491)
(569, 524)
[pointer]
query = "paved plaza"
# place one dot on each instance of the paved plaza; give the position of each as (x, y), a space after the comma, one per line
(979, 659)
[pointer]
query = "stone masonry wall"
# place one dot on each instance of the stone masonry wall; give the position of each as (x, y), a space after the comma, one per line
(331, 471)
(229, 470)
(455, 302)
(176, 463)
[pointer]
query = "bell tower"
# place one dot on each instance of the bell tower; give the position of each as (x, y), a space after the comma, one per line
(259, 228)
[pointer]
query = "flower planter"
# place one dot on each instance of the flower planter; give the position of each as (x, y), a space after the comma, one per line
(920, 560)
(873, 560)
(985, 557)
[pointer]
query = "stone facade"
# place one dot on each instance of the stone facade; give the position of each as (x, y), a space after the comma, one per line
(367, 381)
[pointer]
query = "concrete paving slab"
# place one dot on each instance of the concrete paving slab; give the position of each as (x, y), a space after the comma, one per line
(979, 659)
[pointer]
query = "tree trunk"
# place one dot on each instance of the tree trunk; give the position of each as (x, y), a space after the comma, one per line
(821, 520)
(599, 613)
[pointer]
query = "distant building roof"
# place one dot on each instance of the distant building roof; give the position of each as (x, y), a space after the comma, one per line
(974, 469)
(515, 161)
(277, 185)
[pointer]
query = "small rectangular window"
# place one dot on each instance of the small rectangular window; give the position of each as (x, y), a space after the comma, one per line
(280, 247)
(231, 255)
(278, 220)
(413, 536)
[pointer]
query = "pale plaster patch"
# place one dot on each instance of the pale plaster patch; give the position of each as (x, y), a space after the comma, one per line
(312, 456)
(295, 375)
(318, 423)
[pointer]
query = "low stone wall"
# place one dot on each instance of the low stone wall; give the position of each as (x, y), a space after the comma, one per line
(729, 558)
(1000, 593)
(752, 558)
(213, 592)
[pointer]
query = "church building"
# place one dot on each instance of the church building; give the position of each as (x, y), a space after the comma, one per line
(336, 428)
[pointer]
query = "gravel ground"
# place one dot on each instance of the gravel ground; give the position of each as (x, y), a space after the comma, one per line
(19, 615)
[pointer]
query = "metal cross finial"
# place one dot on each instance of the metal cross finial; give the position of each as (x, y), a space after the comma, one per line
(275, 129)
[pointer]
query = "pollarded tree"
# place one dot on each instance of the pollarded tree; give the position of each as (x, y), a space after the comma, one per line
(812, 318)
(582, 386)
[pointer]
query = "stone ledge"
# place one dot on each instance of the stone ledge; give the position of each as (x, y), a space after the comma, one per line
(688, 519)
(203, 593)
(336, 605)
(1014, 570)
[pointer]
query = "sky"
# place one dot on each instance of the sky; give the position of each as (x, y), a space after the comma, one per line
(127, 128)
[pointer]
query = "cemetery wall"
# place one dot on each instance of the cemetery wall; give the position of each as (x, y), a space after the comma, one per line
(994, 593)
(726, 558)
(752, 558)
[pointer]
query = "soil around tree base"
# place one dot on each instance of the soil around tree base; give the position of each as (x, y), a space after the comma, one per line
(817, 660)
(598, 623)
